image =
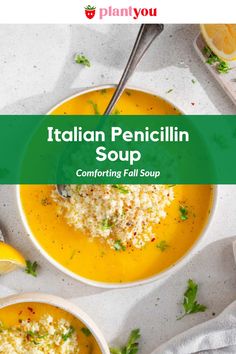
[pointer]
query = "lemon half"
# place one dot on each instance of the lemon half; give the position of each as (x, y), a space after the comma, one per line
(221, 39)
(10, 258)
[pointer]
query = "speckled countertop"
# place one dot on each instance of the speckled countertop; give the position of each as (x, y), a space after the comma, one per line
(37, 71)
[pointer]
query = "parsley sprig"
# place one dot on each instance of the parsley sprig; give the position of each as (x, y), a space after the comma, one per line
(121, 188)
(132, 345)
(68, 334)
(81, 59)
(31, 268)
(183, 212)
(86, 331)
(118, 246)
(190, 303)
(106, 224)
(221, 66)
(162, 245)
(95, 107)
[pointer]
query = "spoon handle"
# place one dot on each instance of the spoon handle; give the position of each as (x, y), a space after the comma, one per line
(1, 237)
(146, 35)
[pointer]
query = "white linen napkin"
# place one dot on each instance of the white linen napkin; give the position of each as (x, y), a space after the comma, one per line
(217, 336)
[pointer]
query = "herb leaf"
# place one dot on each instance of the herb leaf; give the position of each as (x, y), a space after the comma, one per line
(68, 334)
(31, 268)
(162, 245)
(116, 112)
(106, 224)
(183, 213)
(95, 107)
(132, 345)
(118, 246)
(81, 59)
(120, 188)
(190, 303)
(86, 331)
(222, 67)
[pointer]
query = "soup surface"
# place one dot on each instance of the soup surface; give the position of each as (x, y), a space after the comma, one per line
(173, 236)
(96, 260)
(13, 315)
(131, 102)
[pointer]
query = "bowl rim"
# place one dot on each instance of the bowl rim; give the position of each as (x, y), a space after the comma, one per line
(164, 273)
(107, 86)
(67, 306)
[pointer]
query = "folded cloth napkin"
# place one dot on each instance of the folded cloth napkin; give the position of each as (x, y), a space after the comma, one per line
(217, 336)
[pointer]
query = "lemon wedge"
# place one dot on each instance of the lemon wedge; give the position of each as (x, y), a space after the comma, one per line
(221, 39)
(10, 258)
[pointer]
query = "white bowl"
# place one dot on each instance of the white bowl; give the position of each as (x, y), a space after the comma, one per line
(64, 305)
(160, 275)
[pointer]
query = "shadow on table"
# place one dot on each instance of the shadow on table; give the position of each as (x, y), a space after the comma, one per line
(175, 44)
(156, 314)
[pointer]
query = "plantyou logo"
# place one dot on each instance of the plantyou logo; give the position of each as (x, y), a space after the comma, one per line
(90, 11)
(130, 11)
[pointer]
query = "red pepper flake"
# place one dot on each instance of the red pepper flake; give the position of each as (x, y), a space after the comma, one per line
(153, 239)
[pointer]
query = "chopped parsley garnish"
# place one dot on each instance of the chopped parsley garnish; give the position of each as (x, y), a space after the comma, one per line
(190, 303)
(81, 59)
(221, 66)
(36, 334)
(106, 224)
(183, 213)
(193, 81)
(86, 331)
(116, 112)
(132, 345)
(68, 334)
(120, 188)
(31, 268)
(95, 107)
(169, 91)
(162, 245)
(118, 246)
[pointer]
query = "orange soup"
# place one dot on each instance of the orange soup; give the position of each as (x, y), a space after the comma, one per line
(173, 236)
(37, 321)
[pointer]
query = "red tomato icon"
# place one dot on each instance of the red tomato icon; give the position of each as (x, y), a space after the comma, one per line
(90, 11)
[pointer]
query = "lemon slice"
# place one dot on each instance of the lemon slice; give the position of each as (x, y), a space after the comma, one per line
(221, 39)
(10, 259)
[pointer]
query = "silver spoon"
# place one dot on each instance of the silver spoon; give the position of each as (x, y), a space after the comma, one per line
(146, 35)
(1, 237)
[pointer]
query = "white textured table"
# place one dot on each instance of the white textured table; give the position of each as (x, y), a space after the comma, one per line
(37, 70)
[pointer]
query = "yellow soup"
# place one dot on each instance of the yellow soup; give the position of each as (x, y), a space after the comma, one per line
(33, 312)
(131, 102)
(96, 260)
